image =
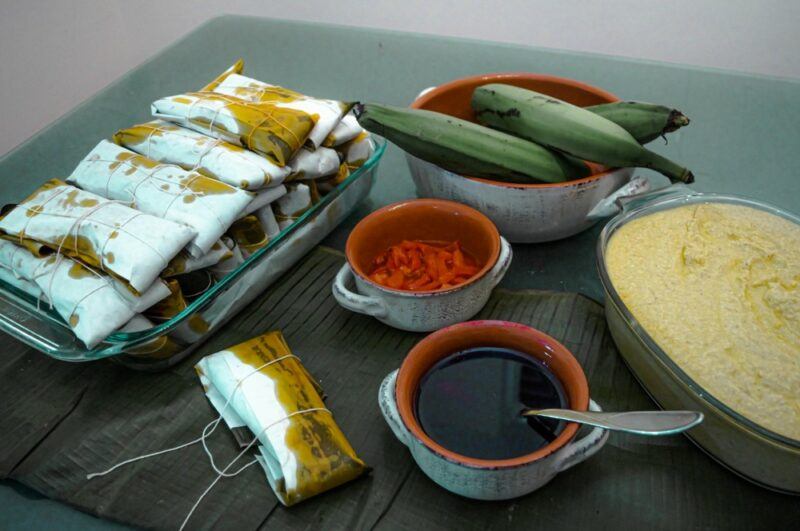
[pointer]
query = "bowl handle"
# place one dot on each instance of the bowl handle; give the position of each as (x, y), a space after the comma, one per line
(503, 262)
(388, 405)
(578, 451)
(610, 205)
(355, 302)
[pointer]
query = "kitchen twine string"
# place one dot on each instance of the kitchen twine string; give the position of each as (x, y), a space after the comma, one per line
(214, 142)
(207, 432)
(149, 177)
(74, 231)
(255, 106)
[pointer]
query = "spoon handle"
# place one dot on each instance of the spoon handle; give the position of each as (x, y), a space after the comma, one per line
(640, 422)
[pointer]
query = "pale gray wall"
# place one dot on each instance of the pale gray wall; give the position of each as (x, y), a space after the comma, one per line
(55, 54)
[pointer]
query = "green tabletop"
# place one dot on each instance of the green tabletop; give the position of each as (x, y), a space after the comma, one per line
(742, 138)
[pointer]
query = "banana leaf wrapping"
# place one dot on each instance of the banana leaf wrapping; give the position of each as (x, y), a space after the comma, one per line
(300, 447)
(206, 205)
(263, 198)
(328, 113)
(275, 132)
(346, 130)
(186, 263)
(309, 164)
(230, 163)
(249, 235)
(189, 330)
(326, 185)
(87, 300)
(130, 245)
(291, 206)
(225, 266)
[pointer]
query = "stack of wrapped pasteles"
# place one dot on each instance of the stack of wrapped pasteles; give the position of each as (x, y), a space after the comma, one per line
(180, 200)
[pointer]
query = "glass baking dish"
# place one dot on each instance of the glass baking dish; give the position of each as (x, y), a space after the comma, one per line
(757, 454)
(163, 345)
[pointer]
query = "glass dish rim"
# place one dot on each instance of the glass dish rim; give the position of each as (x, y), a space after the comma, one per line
(643, 206)
(120, 340)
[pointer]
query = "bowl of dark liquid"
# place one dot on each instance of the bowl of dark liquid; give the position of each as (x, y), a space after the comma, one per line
(456, 401)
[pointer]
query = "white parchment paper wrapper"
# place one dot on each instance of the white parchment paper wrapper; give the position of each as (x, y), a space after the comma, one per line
(346, 130)
(186, 263)
(229, 163)
(114, 238)
(263, 198)
(206, 205)
(291, 206)
(328, 112)
(275, 132)
(309, 164)
(87, 300)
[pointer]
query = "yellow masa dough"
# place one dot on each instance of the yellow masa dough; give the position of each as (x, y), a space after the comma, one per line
(717, 287)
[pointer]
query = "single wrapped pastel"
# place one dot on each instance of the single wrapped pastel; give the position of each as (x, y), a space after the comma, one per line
(309, 164)
(263, 198)
(357, 151)
(261, 385)
(111, 237)
(327, 184)
(87, 300)
(225, 266)
(291, 206)
(275, 132)
(186, 263)
(270, 225)
(347, 129)
(249, 235)
(167, 191)
(230, 163)
(328, 113)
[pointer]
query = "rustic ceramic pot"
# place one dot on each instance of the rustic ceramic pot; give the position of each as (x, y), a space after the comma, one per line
(524, 213)
(488, 479)
(426, 220)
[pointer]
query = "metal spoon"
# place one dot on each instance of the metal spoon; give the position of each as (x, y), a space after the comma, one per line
(640, 422)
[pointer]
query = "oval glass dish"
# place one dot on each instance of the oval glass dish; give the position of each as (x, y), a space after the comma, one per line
(163, 345)
(755, 453)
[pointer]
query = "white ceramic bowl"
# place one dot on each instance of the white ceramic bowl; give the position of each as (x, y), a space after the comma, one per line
(524, 213)
(426, 220)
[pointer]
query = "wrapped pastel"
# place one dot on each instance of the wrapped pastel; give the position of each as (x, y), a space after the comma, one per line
(24, 285)
(86, 299)
(206, 205)
(291, 206)
(249, 235)
(357, 151)
(171, 144)
(131, 245)
(275, 132)
(261, 385)
(329, 183)
(227, 265)
(327, 112)
(186, 263)
(268, 222)
(264, 198)
(346, 130)
(309, 164)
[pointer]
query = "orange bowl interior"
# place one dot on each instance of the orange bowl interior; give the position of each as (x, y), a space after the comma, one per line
(432, 220)
(521, 338)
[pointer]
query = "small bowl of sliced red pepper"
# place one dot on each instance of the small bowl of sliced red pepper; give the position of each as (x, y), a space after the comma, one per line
(422, 264)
